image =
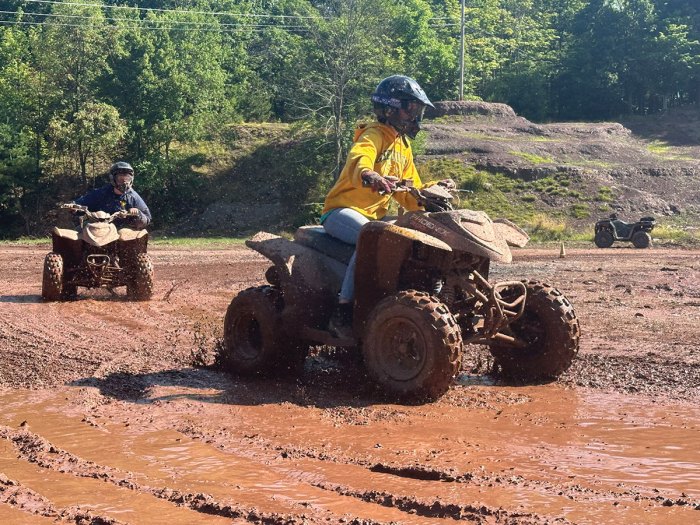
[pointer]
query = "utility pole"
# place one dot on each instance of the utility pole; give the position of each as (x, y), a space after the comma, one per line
(461, 57)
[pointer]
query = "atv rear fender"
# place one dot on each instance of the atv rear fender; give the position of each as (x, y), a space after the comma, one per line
(309, 280)
(386, 254)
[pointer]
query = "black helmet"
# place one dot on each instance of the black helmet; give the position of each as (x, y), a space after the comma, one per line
(119, 168)
(400, 92)
(396, 88)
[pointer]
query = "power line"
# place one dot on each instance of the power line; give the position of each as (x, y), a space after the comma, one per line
(184, 11)
(242, 27)
(144, 21)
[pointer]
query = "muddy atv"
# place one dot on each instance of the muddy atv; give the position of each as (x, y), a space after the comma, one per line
(422, 292)
(612, 229)
(97, 255)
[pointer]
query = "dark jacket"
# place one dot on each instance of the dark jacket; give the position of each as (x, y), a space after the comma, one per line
(104, 199)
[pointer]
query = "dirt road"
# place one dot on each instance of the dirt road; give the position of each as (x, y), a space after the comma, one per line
(106, 420)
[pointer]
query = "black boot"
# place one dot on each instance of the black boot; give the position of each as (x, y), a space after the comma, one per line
(340, 323)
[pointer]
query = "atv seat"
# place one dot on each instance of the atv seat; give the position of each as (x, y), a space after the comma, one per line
(622, 229)
(316, 238)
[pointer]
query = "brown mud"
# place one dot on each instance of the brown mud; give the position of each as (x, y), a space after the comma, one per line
(106, 419)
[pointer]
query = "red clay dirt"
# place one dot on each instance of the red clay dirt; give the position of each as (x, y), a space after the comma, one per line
(109, 418)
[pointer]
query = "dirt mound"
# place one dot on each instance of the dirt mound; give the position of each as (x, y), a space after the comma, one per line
(470, 107)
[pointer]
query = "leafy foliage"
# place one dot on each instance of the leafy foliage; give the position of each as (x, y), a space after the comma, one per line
(84, 83)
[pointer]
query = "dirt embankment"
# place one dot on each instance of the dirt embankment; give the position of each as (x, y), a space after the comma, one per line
(105, 420)
(650, 165)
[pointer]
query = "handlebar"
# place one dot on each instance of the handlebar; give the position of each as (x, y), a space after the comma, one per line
(73, 207)
(100, 216)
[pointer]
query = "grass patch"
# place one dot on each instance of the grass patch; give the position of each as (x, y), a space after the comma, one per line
(197, 242)
(466, 177)
(667, 232)
(580, 211)
(658, 147)
(543, 228)
(605, 194)
(531, 157)
(25, 241)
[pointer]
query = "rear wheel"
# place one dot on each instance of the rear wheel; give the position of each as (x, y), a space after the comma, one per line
(548, 332)
(140, 285)
(603, 239)
(254, 340)
(412, 346)
(641, 239)
(52, 280)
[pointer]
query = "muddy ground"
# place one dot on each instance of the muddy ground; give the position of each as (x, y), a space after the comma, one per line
(106, 420)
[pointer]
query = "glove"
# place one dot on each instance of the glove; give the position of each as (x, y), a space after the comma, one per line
(448, 184)
(378, 183)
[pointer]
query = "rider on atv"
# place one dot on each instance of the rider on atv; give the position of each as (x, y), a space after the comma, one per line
(380, 157)
(119, 195)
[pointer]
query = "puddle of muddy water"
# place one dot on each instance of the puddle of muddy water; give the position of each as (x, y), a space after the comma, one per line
(577, 454)
(160, 459)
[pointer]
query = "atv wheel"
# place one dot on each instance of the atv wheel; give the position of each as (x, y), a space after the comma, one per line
(549, 331)
(254, 341)
(140, 285)
(641, 239)
(603, 239)
(412, 346)
(52, 281)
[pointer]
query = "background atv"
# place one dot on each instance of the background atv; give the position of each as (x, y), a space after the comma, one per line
(421, 292)
(612, 229)
(97, 255)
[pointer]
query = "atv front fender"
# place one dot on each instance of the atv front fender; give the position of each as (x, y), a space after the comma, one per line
(384, 251)
(67, 244)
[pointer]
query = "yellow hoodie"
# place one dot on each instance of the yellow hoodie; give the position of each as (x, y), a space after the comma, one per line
(380, 148)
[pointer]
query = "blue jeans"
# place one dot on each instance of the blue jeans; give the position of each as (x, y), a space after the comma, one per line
(345, 224)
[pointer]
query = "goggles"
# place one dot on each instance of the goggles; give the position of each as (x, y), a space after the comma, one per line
(414, 108)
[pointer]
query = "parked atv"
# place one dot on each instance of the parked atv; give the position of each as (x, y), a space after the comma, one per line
(421, 292)
(612, 229)
(97, 255)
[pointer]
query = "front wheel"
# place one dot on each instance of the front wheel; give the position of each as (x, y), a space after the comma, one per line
(547, 336)
(641, 239)
(254, 340)
(603, 239)
(52, 279)
(140, 285)
(412, 346)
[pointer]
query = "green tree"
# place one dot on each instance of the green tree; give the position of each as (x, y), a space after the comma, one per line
(20, 133)
(169, 79)
(93, 133)
(350, 53)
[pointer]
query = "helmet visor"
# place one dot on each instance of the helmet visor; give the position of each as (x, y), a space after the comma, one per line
(123, 180)
(414, 108)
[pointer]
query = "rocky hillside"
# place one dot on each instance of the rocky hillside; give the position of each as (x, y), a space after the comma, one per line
(648, 165)
(560, 176)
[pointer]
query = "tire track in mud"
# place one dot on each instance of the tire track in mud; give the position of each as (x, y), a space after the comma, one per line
(16, 495)
(481, 514)
(573, 492)
(34, 449)
(436, 508)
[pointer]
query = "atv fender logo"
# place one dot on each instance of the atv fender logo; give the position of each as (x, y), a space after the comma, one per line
(429, 225)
